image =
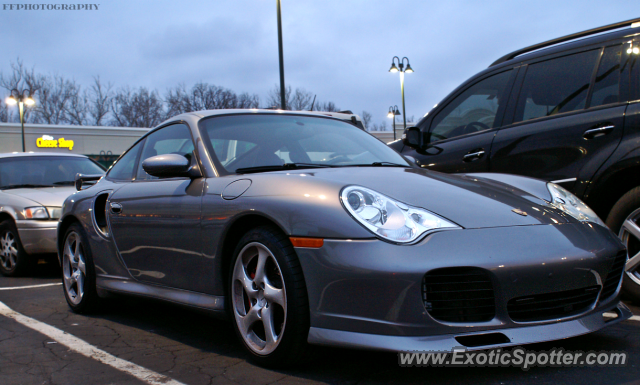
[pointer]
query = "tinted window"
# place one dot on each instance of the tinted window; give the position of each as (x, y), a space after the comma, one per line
(473, 110)
(175, 139)
(123, 168)
(242, 141)
(44, 170)
(606, 89)
(556, 86)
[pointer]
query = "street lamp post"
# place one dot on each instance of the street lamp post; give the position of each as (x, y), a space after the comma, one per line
(283, 103)
(402, 69)
(393, 111)
(21, 98)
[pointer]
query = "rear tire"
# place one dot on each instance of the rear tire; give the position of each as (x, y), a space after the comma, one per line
(268, 301)
(14, 261)
(624, 220)
(78, 272)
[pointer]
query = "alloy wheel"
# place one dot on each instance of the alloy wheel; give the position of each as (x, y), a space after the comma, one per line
(630, 236)
(259, 298)
(74, 269)
(9, 253)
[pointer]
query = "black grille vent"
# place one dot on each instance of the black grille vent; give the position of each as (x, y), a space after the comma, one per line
(459, 294)
(614, 276)
(552, 305)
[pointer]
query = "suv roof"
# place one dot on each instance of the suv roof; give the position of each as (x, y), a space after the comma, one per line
(574, 40)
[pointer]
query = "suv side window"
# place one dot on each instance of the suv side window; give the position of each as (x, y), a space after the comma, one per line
(556, 86)
(475, 109)
(174, 139)
(123, 168)
(606, 89)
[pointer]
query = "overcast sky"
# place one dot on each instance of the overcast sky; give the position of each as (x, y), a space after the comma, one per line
(340, 50)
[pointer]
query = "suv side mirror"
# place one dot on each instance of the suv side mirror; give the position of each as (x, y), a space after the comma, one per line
(412, 137)
(170, 166)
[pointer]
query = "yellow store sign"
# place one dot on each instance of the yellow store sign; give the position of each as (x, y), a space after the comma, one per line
(49, 142)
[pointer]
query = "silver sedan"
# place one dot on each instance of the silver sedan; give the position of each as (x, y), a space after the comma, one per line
(33, 187)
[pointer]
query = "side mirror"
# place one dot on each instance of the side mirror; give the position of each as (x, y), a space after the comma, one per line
(170, 166)
(412, 137)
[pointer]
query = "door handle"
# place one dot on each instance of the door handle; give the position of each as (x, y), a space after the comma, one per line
(596, 132)
(116, 208)
(473, 156)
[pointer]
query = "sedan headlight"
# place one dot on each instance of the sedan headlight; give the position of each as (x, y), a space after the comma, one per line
(388, 218)
(572, 205)
(38, 212)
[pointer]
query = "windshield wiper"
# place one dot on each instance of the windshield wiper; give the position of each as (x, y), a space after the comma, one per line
(377, 164)
(11, 186)
(65, 183)
(280, 167)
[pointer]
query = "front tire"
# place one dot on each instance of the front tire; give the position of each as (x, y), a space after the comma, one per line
(78, 273)
(14, 261)
(268, 298)
(624, 220)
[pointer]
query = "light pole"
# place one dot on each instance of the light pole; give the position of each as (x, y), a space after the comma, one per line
(283, 103)
(393, 111)
(21, 98)
(402, 69)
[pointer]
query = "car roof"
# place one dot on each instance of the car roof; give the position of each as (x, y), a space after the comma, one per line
(566, 46)
(28, 154)
(207, 113)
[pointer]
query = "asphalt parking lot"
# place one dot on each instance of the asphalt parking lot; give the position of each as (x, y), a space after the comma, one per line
(193, 348)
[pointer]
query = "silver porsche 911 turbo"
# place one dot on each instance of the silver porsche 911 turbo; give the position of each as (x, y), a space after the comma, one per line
(304, 229)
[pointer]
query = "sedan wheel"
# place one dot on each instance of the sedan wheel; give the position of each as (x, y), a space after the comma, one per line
(268, 298)
(13, 260)
(78, 275)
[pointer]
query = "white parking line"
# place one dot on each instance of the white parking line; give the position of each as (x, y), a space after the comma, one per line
(614, 315)
(30, 287)
(84, 348)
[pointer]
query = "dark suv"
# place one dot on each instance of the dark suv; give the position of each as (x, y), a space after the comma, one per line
(566, 111)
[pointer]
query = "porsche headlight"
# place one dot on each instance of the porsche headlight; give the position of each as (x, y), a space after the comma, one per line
(572, 205)
(388, 218)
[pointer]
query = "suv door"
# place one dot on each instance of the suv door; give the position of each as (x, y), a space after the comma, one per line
(156, 222)
(458, 137)
(567, 118)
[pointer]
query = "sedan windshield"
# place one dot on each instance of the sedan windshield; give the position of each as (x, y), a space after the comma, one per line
(44, 171)
(266, 142)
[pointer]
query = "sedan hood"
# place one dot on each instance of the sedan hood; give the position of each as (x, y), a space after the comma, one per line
(45, 196)
(469, 201)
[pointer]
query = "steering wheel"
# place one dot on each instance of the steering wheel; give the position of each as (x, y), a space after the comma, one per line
(474, 127)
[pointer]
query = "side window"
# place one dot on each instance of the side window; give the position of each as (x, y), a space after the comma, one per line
(123, 168)
(556, 86)
(473, 110)
(606, 89)
(175, 139)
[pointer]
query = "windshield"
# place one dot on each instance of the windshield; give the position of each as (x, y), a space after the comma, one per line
(249, 141)
(44, 171)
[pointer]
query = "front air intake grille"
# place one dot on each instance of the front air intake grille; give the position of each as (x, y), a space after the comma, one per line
(548, 306)
(614, 275)
(459, 294)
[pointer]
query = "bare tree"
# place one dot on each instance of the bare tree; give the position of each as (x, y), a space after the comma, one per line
(54, 99)
(203, 96)
(273, 97)
(98, 101)
(21, 78)
(141, 108)
(4, 113)
(76, 108)
(327, 106)
(300, 100)
(366, 119)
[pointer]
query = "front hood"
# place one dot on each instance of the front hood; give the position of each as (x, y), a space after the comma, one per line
(469, 201)
(45, 196)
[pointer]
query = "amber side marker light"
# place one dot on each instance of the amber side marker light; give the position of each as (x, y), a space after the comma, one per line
(307, 242)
